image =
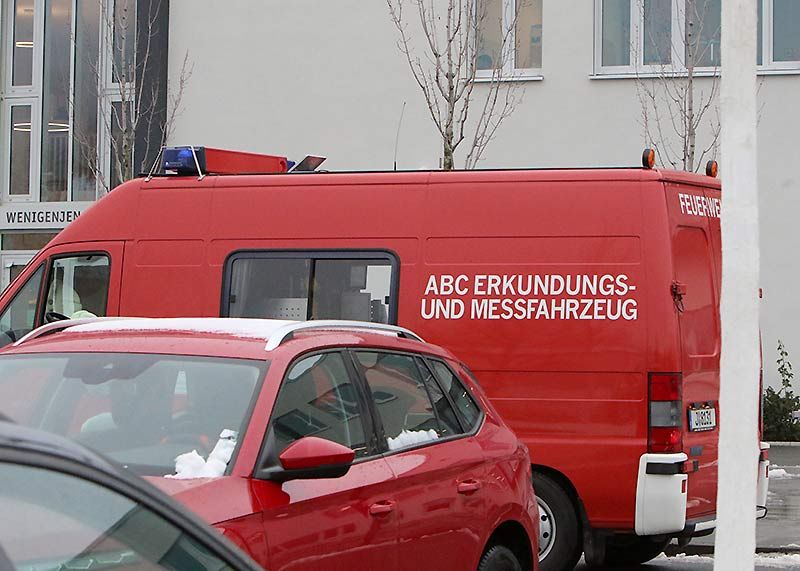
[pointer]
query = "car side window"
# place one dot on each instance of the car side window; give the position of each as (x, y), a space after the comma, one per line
(444, 410)
(79, 286)
(401, 399)
(467, 408)
(318, 398)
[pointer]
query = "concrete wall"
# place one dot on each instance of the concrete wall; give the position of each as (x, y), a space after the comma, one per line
(321, 77)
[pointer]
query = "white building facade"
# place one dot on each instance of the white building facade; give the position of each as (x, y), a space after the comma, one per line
(314, 77)
(328, 77)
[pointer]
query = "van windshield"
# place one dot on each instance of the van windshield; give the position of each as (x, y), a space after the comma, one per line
(141, 410)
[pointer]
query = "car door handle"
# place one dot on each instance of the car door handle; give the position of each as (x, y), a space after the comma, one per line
(380, 508)
(468, 486)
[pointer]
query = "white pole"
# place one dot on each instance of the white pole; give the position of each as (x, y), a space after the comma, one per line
(740, 362)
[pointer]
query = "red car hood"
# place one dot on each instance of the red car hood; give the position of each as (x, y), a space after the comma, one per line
(214, 499)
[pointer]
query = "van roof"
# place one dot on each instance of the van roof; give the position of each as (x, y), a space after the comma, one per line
(110, 217)
(438, 176)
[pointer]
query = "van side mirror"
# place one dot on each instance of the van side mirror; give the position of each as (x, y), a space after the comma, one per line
(312, 458)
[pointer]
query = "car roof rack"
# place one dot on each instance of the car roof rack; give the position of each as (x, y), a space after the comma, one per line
(275, 339)
(57, 326)
(286, 331)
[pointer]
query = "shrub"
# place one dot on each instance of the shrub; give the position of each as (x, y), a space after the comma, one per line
(780, 424)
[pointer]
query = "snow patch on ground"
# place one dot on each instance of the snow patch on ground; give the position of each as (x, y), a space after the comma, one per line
(192, 465)
(782, 561)
(248, 328)
(411, 437)
(781, 474)
(773, 561)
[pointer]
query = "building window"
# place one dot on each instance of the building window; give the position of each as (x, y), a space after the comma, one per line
(20, 150)
(22, 51)
(68, 127)
(781, 39)
(509, 39)
(635, 37)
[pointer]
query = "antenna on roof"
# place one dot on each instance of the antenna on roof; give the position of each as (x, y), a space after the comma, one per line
(397, 137)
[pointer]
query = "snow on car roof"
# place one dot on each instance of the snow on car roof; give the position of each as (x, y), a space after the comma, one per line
(237, 327)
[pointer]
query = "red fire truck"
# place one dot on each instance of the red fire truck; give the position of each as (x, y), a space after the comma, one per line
(584, 300)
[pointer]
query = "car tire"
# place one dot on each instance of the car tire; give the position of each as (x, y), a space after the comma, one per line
(632, 550)
(499, 558)
(560, 541)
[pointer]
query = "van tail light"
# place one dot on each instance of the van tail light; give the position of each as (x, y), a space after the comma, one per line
(665, 431)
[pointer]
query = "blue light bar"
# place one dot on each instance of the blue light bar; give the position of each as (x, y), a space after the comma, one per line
(182, 160)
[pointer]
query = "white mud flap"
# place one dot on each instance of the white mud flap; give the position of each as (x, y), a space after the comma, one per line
(763, 481)
(661, 494)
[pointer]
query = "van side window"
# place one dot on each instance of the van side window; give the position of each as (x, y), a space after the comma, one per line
(79, 286)
(309, 286)
(19, 317)
(467, 409)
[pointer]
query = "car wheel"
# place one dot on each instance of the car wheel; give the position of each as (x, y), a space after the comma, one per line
(632, 550)
(499, 558)
(560, 543)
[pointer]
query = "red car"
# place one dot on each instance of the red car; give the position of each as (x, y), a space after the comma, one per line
(312, 445)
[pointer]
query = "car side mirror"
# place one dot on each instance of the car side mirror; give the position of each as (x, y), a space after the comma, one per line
(312, 458)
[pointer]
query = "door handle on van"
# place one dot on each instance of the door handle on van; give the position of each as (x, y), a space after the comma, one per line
(468, 486)
(678, 290)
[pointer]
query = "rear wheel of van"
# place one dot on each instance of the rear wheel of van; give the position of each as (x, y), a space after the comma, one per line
(559, 526)
(632, 549)
(499, 558)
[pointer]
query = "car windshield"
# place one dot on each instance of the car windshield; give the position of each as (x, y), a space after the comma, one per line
(57, 521)
(141, 410)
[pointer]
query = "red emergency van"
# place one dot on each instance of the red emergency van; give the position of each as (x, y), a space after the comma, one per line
(586, 302)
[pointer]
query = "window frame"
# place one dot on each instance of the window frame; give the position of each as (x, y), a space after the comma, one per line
(300, 254)
(768, 43)
(7, 34)
(382, 441)
(48, 277)
(268, 461)
(424, 366)
(35, 149)
(677, 67)
(467, 388)
(510, 72)
(39, 296)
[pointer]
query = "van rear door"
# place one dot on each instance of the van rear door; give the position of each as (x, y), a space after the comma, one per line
(695, 291)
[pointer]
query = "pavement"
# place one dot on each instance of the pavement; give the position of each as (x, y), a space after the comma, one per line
(780, 530)
(777, 535)
(763, 562)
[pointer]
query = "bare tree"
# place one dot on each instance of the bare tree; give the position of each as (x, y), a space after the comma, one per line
(447, 72)
(136, 108)
(676, 108)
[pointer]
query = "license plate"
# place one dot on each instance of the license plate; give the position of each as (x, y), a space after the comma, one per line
(702, 419)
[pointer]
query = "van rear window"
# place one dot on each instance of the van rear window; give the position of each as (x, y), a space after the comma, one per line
(311, 285)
